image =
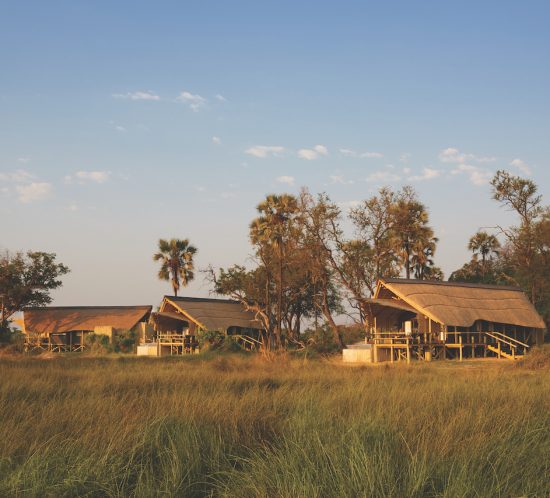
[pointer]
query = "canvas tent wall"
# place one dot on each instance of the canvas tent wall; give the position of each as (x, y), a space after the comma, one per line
(68, 325)
(469, 319)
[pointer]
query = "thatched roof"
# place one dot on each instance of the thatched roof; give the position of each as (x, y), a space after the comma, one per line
(457, 304)
(213, 314)
(59, 319)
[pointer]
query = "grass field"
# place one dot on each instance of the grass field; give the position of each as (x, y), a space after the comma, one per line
(246, 427)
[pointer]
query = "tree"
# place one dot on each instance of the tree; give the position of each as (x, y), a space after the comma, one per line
(410, 223)
(374, 222)
(27, 280)
(251, 288)
(520, 195)
(272, 229)
(423, 251)
(176, 257)
(485, 245)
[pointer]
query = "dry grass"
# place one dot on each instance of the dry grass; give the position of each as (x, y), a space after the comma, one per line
(244, 427)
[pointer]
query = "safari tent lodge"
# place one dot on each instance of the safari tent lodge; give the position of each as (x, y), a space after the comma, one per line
(179, 320)
(64, 328)
(426, 320)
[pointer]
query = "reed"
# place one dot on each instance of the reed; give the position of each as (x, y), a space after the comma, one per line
(247, 427)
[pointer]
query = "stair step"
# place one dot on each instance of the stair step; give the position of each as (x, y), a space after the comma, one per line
(504, 353)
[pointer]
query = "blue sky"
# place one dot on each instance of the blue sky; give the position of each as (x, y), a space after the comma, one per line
(122, 122)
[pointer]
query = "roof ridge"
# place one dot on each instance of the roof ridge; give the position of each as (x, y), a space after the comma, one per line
(394, 280)
(35, 308)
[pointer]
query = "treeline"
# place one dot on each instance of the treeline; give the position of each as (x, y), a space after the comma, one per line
(306, 268)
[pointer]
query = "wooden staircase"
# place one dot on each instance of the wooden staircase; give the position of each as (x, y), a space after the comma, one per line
(506, 347)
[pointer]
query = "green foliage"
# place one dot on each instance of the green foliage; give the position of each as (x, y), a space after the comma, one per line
(12, 337)
(124, 341)
(176, 258)
(240, 426)
(97, 343)
(321, 340)
(27, 280)
(210, 339)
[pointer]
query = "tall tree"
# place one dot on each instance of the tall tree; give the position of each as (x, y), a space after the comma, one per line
(520, 195)
(272, 228)
(484, 244)
(423, 251)
(410, 223)
(176, 257)
(27, 280)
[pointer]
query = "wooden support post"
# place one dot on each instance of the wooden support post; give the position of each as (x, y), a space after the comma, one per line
(460, 348)
(473, 347)
(408, 351)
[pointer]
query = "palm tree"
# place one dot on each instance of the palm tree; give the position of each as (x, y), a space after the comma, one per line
(410, 224)
(176, 257)
(485, 245)
(272, 228)
(423, 250)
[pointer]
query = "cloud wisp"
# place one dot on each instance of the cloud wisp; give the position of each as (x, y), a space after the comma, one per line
(313, 153)
(195, 101)
(361, 155)
(139, 95)
(263, 151)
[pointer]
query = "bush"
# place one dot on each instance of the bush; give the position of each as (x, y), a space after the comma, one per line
(11, 335)
(537, 359)
(321, 340)
(125, 341)
(97, 343)
(210, 339)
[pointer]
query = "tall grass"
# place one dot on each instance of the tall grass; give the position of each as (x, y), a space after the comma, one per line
(245, 427)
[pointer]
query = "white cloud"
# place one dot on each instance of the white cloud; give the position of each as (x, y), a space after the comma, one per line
(522, 166)
(216, 140)
(35, 191)
(120, 128)
(427, 174)
(477, 176)
(89, 176)
(194, 101)
(340, 180)
(264, 151)
(17, 176)
(148, 95)
(314, 153)
(453, 155)
(404, 158)
(383, 176)
(23, 160)
(220, 97)
(362, 155)
(288, 180)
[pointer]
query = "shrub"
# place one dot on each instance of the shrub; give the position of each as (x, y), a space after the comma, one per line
(537, 359)
(97, 343)
(210, 339)
(124, 341)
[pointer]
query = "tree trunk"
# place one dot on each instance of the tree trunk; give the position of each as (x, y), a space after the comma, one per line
(280, 300)
(331, 322)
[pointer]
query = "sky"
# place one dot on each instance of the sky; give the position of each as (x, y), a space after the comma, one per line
(124, 122)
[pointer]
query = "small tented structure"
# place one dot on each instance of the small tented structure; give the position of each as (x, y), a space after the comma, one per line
(426, 320)
(64, 328)
(180, 319)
